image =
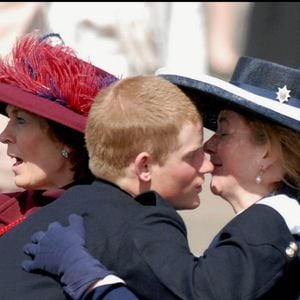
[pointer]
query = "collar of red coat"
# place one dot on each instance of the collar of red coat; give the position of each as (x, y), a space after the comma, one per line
(16, 206)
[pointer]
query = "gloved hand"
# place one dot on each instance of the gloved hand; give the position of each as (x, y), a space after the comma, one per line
(61, 251)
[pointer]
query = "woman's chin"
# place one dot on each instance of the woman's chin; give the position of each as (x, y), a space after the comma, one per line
(215, 190)
(21, 183)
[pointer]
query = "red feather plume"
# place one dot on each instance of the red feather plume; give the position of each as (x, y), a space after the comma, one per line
(54, 72)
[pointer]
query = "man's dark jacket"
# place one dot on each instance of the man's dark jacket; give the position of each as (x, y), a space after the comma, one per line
(146, 244)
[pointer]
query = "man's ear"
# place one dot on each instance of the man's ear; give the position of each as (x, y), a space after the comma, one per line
(142, 165)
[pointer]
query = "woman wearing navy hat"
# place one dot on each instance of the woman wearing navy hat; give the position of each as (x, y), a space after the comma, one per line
(256, 146)
(46, 91)
(256, 155)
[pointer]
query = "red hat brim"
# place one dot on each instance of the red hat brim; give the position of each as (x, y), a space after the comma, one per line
(40, 106)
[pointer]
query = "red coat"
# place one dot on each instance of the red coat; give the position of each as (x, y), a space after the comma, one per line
(14, 207)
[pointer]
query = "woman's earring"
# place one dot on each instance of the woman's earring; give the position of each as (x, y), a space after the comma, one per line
(258, 178)
(65, 153)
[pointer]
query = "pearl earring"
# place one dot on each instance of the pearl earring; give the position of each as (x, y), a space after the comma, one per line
(258, 178)
(65, 153)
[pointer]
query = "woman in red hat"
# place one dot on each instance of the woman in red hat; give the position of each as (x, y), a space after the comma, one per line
(46, 91)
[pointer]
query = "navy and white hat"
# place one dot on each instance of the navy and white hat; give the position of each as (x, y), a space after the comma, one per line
(258, 87)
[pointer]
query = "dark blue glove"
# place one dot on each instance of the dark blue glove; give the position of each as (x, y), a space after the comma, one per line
(61, 251)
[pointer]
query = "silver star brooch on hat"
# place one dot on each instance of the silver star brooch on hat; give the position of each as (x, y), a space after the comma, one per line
(283, 94)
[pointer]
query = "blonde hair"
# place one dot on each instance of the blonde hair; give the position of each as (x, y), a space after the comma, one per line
(136, 114)
(287, 141)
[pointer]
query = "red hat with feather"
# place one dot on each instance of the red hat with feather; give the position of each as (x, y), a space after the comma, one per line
(49, 80)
